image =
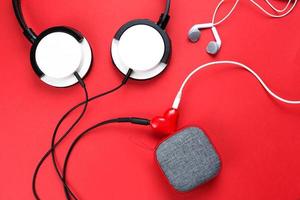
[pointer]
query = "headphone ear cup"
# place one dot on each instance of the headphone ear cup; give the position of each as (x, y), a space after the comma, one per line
(58, 53)
(212, 48)
(142, 46)
(194, 35)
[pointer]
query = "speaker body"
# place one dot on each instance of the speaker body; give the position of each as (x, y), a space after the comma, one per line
(188, 159)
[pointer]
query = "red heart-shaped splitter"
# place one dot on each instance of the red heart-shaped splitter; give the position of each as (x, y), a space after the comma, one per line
(166, 124)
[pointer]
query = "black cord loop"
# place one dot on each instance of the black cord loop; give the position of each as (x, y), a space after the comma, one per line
(53, 146)
(133, 120)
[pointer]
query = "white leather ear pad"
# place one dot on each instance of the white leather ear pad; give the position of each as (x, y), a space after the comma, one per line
(58, 54)
(212, 47)
(142, 46)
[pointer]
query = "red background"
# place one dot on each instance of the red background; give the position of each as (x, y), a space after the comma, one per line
(257, 137)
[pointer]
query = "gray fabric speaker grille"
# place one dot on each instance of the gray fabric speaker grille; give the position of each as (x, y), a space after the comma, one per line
(188, 159)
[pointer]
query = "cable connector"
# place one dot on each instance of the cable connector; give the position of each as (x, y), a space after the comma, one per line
(80, 81)
(127, 76)
(140, 121)
(30, 35)
(134, 120)
(177, 100)
(163, 20)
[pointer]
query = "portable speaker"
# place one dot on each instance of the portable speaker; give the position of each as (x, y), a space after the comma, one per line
(188, 159)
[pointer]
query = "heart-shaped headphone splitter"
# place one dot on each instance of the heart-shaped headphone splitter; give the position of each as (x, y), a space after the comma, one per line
(166, 124)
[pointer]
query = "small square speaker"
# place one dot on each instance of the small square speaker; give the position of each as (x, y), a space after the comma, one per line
(188, 159)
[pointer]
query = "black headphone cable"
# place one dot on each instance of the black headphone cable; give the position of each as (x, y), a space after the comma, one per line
(53, 146)
(132, 120)
(82, 84)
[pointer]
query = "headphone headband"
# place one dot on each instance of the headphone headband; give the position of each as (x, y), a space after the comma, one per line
(28, 32)
(31, 35)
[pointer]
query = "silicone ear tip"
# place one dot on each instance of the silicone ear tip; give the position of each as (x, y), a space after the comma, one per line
(212, 48)
(194, 35)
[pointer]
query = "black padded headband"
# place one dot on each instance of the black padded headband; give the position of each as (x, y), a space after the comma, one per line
(31, 36)
(28, 32)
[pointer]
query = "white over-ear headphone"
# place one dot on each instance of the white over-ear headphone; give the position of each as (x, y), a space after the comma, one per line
(214, 46)
(61, 55)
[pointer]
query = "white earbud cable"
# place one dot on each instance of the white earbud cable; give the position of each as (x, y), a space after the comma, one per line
(224, 18)
(272, 15)
(280, 11)
(180, 92)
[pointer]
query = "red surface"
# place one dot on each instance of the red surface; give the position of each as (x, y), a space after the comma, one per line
(257, 137)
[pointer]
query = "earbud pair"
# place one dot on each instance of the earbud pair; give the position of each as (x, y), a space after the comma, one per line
(213, 47)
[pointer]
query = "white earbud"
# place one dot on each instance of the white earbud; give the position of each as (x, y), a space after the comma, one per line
(213, 47)
(195, 32)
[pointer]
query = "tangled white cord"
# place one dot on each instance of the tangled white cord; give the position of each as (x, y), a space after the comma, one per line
(180, 92)
(280, 12)
(276, 9)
